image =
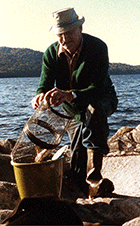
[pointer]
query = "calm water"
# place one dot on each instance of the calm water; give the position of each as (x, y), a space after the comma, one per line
(16, 95)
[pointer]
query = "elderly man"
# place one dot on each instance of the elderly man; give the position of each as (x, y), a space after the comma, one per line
(78, 64)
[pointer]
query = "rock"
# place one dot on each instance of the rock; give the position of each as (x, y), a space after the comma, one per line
(6, 172)
(9, 196)
(136, 134)
(4, 214)
(126, 141)
(7, 145)
(128, 205)
(124, 172)
(100, 210)
(112, 210)
(134, 222)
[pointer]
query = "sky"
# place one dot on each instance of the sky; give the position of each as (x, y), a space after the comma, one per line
(26, 23)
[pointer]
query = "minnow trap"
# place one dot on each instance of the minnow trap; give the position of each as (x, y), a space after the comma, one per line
(41, 134)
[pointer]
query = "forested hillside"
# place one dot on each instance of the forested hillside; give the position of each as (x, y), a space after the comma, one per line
(18, 62)
(118, 68)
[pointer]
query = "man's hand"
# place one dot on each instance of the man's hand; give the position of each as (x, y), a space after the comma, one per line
(55, 96)
(37, 100)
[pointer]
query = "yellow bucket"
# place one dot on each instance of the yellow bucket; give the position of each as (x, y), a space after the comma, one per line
(39, 179)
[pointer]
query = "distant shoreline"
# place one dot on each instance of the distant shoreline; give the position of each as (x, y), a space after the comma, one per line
(23, 62)
(39, 76)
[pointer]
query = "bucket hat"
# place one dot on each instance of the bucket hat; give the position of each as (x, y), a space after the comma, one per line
(66, 20)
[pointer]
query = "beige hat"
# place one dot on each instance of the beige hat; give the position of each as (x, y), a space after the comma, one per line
(66, 20)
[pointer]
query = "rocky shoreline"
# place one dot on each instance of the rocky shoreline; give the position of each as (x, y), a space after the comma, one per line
(121, 166)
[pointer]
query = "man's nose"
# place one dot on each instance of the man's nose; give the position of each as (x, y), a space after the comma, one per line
(65, 36)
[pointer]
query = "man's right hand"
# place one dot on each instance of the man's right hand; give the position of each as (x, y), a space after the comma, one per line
(37, 100)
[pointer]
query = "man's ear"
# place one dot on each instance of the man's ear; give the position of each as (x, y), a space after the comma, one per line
(81, 28)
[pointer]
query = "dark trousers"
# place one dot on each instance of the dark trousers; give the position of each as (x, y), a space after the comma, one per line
(92, 133)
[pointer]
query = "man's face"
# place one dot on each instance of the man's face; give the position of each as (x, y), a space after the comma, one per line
(71, 40)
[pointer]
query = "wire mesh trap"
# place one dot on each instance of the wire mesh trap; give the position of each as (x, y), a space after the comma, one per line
(41, 135)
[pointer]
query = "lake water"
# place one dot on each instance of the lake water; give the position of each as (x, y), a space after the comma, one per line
(16, 95)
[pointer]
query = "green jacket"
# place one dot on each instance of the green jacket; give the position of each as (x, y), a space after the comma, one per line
(90, 79)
